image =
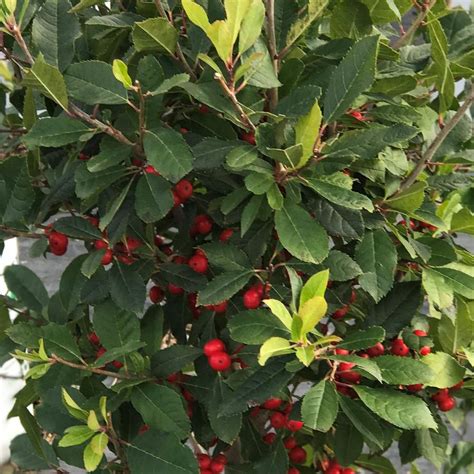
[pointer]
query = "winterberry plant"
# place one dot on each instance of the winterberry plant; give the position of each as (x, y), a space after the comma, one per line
(272, 201)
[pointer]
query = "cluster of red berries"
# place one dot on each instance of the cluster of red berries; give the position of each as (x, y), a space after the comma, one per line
(443, 397)
(344, 370)
(399, 348)
(123, 251)
(208, 465)
(95, 341)
(254, 296)
(217, 356)
(418, 225)
(331, 466)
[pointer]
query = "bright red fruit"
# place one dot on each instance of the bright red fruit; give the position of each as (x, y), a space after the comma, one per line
(133, 244)
(399, 348)
(222, 458)
(348, 470)
(269, 438)
(272, 403)
(202, 224)
(212, 346)
(249, 137)
(100, 352)
(252, 298)
(415, 387)
(290, 442)
(221, 307)
(198, 263)
(357, 115)
(217, 467)
(226, 234)
(175, 290)
(117, 364)
(340, 313)
(107, 257)
(204, 460)
(278, 420)
(376, 350)
(297, 455)
(220, 361)
(151, 170)
(156, 294)
(420, 333)
(441, 395)
(294, 425)
(58, 243)
(341, 352)
(93, 338)
(184, 189)
(425, 350)
(447, 404)
(294, 470)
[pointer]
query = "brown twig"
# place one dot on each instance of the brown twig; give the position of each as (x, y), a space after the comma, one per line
(20, 233)
(408, 34)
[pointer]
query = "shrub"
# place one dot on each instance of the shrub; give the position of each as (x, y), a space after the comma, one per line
(269, 197)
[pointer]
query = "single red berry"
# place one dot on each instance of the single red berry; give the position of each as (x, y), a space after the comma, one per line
(278, 420)
(333, 468)
(184, 189)
(177, 201)
(441, 395)
(107, 257)
(126, 259)
(187, 395)
(249, 137)
(415, 387)
(117, 364)
(221, 307)
(204, 460)
(205, 471)
(399, 348)
(447, 404)
(58, 243)
(351, 376)
(202, 224)
(294, 470)
(174, 289)
(156, 294)
(226, 234)
(348, 470)
(376, 350)
(133, 244)
(272, 403)
(159, 241)
(198, 263)
(203, 109)
(290, 442)
(420, 333)
(252, 298)
(217, 467)
(297, 455)
(343, 366)
(93, 220)
(137, 162)
(100, 352)
(340, 313)
(425, 350)
(222, 458)
(269, 438)
(357, 115)
(220, 361)
(212, 346)
(294, 425)
(184, 130)
(93, 338)
(151, 170)
(174, 378)
(341, 351)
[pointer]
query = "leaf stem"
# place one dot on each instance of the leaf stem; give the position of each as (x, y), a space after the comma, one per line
(437, 142)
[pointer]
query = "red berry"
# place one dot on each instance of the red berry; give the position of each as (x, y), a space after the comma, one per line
(441, 395)
(297, 455)
(294, 470)
(133, 244)
(217, 467)
(269, 438)
(204, 460)
(117, 364)
(399, 348)
(425, 350)
(58, 243)
(341, 352)
(333, 467)
(202, 224)
(184, 130)
(93, 338)
(420, 333)
(220, 361)
(290, 442)
(415, 387)
(278, 420)
(198, 263)
(294, 425)
(447, 404)
(357, 115)
(353, 297)
(222, 458)
(159, 240)
(187, 395)
(100, 352)
(151, 170)
(93, 220)
(376, 350)
(221, 307)
(226, 234)
(272, 403)
(107, 257)
(176, 199)
(203, 109)
(252, 298)
(348, 470)
(343, 366)
(156, 294)
(212, 346)
(340, 313)
(175, 290)
(205, 471)
(351, 376)
(249, 137)
(101, 244)
(184, 189)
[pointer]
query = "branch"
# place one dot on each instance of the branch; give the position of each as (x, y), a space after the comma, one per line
(231, 94)
(437, 142)
(20, 233)
(407, 36)
(270, 29)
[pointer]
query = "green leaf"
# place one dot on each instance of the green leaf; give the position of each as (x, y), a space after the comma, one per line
(173, 359)
(377, 257)
(307, 129)
(376, 463)
(153, 198)
(262, 384)
(55, 31)
(273, 347)
(184, 277)
(255, 327)
(127, 288)
(350, 20)
(89, 184)
(354, 75)
(115, 326)
(223, 287)
(348, 442)
(118, 353)
(365, 422)
(409, 200)
(404, 370)
(56, 132)
(294, 225)
(275, 462)
(226, 256)
(168, 84)
(94, 451)
(454, 277)
(454, 334)
(114, 206)
(447, 371)
(167, 151)
(383, 11)
(319, 407)
(251, 25)
(93, 82)
(433, 445)
(341, 266)
(48, 80)
(155, 451)
(279, 310)
(315, 286)
(155, 34)
(75, 435)
(405, 411)
(120, 70)
(77, 228)
(311, 312)
(59, 341)
(161, 408)
(363, 339)
(27, 287)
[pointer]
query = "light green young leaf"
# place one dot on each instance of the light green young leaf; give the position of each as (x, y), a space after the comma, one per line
(305, 355)
(311, 312)
(251, 25)
(280, 311)
(155, 34)
(447, 371)
(94, 452)
(307, 129)
(274, 346)
(75, 435)
(315, 286)
(120, 70)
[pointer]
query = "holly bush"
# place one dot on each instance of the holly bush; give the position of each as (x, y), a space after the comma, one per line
(268, 198)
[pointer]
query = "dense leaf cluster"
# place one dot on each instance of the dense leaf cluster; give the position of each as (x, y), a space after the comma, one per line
(268, 197)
